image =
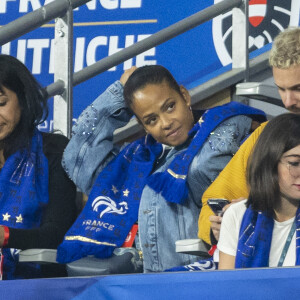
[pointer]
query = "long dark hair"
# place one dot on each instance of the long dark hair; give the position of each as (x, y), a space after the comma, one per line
(16, 77)
(154, 74)
(279, 136)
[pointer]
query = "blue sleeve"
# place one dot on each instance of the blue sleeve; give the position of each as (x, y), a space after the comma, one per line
(91, 146)
(216, 152)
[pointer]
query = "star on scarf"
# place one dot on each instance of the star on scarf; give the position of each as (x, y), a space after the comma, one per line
(6, 217)
(114, 189)
(201, 121)
(126, 193)
(19, 219)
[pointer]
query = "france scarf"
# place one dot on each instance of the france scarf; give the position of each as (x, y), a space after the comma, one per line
(23, 193)
(255, 240)
(112, 206)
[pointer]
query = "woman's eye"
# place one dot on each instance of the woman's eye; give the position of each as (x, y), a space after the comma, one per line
(294, 163)
(151, 121)
(171, 106)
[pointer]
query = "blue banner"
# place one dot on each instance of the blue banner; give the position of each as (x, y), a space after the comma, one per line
(272, 283)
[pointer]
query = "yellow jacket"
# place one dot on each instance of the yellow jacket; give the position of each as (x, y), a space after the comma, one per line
(230, 184)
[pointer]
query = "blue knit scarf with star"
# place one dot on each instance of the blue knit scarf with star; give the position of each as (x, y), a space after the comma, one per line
(23, 194)
(112, 206)
(255, 239)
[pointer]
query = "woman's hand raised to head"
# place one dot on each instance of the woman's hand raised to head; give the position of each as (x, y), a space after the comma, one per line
(127, 74)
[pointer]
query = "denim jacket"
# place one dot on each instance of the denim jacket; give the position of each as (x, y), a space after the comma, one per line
(161, 223)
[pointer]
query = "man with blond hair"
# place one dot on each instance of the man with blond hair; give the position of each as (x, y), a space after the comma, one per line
(231, 183)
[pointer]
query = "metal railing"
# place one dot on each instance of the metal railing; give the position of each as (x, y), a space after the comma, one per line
(37, 18)
(63, 73)
(62, 11)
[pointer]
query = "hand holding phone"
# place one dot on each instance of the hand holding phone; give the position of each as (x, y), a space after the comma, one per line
(217, 205)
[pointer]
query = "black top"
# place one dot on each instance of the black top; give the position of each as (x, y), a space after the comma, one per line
(60, 213)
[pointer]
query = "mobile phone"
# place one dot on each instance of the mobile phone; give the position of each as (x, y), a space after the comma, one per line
(217, 205)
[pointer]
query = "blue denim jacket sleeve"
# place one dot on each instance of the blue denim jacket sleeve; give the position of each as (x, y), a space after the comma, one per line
(91, 146)
(216, 152)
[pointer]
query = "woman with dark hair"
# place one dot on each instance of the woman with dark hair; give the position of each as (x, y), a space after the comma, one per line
(37, 198)
(260, 231)
(158, 179)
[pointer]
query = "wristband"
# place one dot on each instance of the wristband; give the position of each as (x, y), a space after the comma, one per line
(6, 235)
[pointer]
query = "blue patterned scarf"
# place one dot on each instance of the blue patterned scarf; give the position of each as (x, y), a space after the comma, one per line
(23, 193)
(255, 240)
(112, 207)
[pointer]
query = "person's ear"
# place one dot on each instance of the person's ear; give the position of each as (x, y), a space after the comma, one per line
(186, 95)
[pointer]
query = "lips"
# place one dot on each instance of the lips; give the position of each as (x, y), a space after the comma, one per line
(297, 186)
(173, 133)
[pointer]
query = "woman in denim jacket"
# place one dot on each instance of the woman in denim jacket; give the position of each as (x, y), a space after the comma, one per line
(163, 108)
